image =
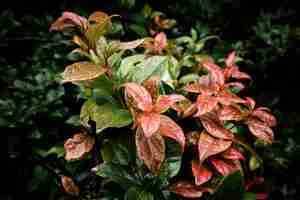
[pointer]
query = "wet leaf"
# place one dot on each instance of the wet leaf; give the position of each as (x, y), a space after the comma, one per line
(150, 150)
(69, 20)
(260, 130)
(201, 173)
(150, 123)
(224, 168)
(208, 146)
(78, 145)
(82, 71)
(169, 128)
(215, 128)
(205, 104)
(70, 187)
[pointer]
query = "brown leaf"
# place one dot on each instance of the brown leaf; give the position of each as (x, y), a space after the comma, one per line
(260, 130)
(233, 154)
(215, 128)
(78, 145)
(201, 173)
(69, 20)
(228, 113)
(170, 129)
(215, 72)
(150, 123)
(265, 117)
(150, 150)
(82, 71)
(69, 186)
(164, 102)
(138, 97)
(208, 146)
(224, 168)
(188, 189)
(205, 104)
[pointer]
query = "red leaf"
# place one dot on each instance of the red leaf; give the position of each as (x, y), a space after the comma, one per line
(230, 59)
(208, 146)
(164, 102)
(215, 128)
(205, 104)
(137, 96)
(201, 173)
(160, 42)
(250, 103)
(149, 123)
(260, 130)
(152, 86)
(215, 71)
(188, 189)
(170, 129)
(78, 145)
(262, 196)
(227, 98)
(223, 168)
(68, 20)
(69, 186)
(230, 113)
(234, 72)
(256, 181)
(233, 154)
(150, 150)
(264, 116)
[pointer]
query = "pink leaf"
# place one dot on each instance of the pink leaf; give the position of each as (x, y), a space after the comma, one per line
(137, 96)
(215, 72)
(228, 113)
(234, 72)
(238, 85)
(264, 116)
(250, 103)
(164, 102)
(201, 173)
(188, 189)
(205, 104)
(67, 20)
(170, 129)
(150, 150)
(215, 128)
(233, 154)
(149, 123)
(260, 130)
(227, 98)
(152, 86)
(193, 88)
(230, 59)
(223, 168)
(208, 146)
(160, 42)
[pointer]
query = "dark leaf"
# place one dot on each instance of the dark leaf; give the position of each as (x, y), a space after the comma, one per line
(224, 168)
(200, 172)
(188, 189)
(70, 187)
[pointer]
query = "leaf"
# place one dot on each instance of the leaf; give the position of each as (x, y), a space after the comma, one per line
(201, 173)
(250, 102)
(230, 59)
(192, 77)
(194, 88)
(137, 96)
(160, 42)
(223, 168)
(215, 128)
(260, 130)
(249, 196)
(169, 128)
(164, 102)
(82, 71)
(187, 189)
(150, 150)
(69, 20)
(106, 115)
(227, 98)
(228, 113)
(152, 85)
(234, 72)
(70, 187)
(131, 45)
(233, 154)
(208, 146)
(265, 117)
(205, 104)
(135, 193)
(128, 65)
(150, 123)
(78, 145)
(116, 173)
(215, 71)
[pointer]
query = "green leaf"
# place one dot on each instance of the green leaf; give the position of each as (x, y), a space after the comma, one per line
(135, 193)
(106, 115)
(128, 65)
(139, 30)
(116, 173)
(249, 196)
(57, 149)
(231, 187)
(192, 77)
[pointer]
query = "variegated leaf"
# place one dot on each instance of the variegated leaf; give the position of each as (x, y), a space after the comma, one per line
(265, 117)
(201, 173)
(188, 189)
(150, 123)
(224, 168)
(233, 154)
(69, 20)
(228, 113)
(215, 72)
(260, 130)
(205, 104)
(164, 102)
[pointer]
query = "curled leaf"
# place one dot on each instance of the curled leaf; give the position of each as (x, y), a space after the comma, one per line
(201, 173)
(69, 20)
(234, 72)
(137, 96)
(233, 154)
(230, 59)
(250, 103)
(69, 186)
(78, 145)
(224, 168)
(170, 129)
(265, 117)
(260, 130)
(150, 123)
(205, 104)
(82, 71)
(188, 189)
(150, 150)
(215, 128)
(208, 146)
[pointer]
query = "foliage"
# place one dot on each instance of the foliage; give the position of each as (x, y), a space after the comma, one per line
(193, 132)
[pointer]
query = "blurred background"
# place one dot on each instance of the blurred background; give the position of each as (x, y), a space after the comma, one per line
(34, 107)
